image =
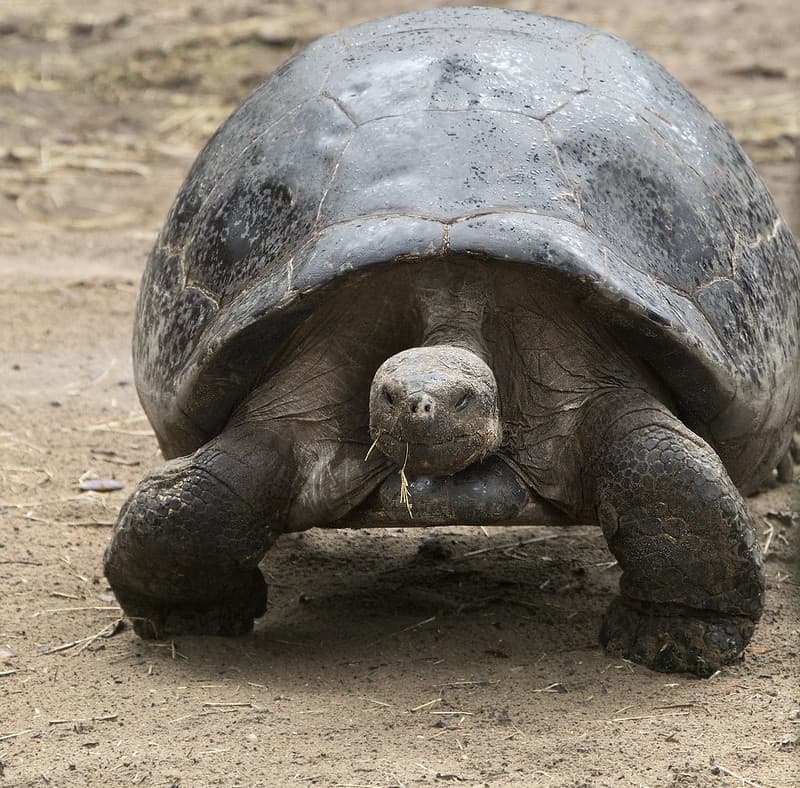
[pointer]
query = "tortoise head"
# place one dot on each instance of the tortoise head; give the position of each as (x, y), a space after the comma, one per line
(434, 409)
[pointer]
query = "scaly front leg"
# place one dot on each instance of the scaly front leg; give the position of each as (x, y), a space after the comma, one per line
(692, 587)
(184, 553)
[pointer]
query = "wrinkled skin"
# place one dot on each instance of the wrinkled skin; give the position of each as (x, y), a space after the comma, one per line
(501, 357)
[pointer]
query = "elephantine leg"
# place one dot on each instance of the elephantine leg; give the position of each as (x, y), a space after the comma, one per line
(184, 553)
(693, 584)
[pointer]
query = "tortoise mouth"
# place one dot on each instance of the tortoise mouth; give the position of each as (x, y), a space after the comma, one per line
(436, 458)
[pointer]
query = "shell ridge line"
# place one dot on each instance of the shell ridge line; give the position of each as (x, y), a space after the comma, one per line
(167, 250)
(660, 117)
(184, 268)
(661, 138)
(579, 46)
(711, 282)
(492, 110)
(579, 49)
(736, 255)
(515, 212)
(444, 222)
(762, 238)
(341, 107)
(204, 291)
(290, 288)
(345, 45)
(606, 253)
(291, 293)
(575, 193)
(334, 172)
(170, 250)
(575, 93)
(367, 216)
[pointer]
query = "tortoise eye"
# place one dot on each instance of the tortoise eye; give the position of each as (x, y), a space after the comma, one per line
(464, 401)
(388, 397)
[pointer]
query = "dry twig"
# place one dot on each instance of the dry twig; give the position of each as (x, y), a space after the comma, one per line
(503, 547)
(106, 632)
(14, 735)
(650, 716)
(716, 769)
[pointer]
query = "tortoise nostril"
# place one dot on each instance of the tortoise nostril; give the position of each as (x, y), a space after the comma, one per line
(419, 405)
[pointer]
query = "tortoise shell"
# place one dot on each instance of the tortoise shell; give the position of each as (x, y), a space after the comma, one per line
(486, 133)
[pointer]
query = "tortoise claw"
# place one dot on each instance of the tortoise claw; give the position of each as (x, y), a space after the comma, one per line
(669, 641)
(153, 620)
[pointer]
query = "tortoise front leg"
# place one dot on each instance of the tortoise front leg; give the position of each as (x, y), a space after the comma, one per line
(184, 553)
(693, 584)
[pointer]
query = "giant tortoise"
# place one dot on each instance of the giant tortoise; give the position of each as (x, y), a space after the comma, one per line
(467, 266)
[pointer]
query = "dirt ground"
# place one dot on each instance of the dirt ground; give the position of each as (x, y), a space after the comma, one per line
(388, 658)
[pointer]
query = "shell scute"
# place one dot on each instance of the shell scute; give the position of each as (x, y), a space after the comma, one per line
(455, 69)
(262, 207)
(377, 176)
(639, 196)
(298, 80)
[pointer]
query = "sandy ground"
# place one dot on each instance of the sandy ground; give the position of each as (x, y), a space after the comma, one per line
(388, 658)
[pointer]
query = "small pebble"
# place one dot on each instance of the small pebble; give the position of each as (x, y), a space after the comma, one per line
(100, 485)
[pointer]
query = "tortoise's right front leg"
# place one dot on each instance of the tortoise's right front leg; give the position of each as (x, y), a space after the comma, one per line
(184, 552)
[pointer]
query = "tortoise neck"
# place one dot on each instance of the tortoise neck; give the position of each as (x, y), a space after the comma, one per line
(457, 336)
(452, 301)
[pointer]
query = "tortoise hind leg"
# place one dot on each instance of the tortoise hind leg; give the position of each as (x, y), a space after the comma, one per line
(693, 583)
(184, 553)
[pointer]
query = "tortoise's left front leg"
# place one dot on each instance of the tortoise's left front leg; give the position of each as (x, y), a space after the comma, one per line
(184, 553)
(692, 586)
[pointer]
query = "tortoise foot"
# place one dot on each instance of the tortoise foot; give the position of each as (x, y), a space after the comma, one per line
(232, 615)
(674, 640)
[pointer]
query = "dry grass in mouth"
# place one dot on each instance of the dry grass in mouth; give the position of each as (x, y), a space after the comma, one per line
(405, 497)
(374, 444)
